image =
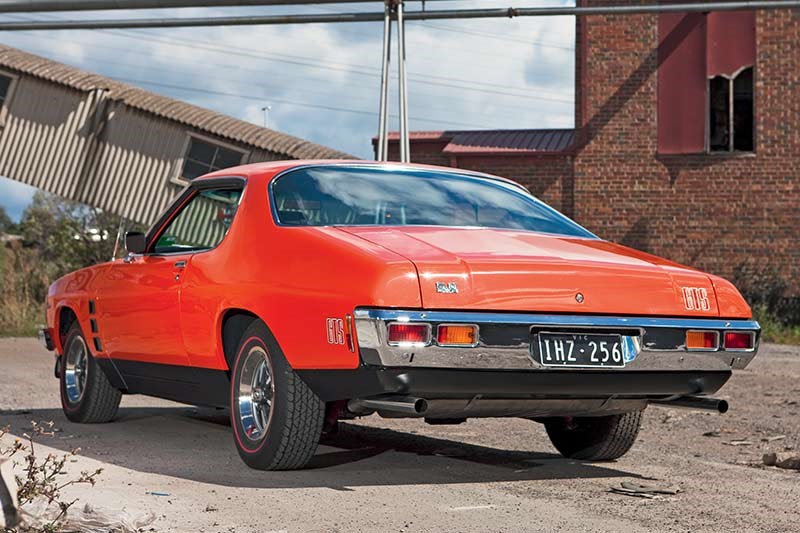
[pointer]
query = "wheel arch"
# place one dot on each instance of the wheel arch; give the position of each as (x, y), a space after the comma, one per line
(65, 317)
(234, 323)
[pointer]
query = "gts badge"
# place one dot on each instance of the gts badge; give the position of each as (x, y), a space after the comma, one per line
(695, 299)
(335, 327)
(446, 288)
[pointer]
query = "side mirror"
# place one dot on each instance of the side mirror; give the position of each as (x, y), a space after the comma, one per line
(135, 242)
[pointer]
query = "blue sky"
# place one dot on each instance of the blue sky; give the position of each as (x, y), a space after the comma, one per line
(322, 81)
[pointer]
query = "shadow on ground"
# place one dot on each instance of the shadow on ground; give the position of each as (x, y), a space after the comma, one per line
(196, 444)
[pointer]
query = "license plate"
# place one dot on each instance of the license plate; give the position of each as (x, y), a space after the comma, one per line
(580, 350)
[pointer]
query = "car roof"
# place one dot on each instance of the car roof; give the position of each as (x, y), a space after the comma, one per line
(270, 169)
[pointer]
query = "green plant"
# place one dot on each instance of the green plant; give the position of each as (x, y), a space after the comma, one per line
(56, 237)
(20, 311)
(774, 330)
(766, 291)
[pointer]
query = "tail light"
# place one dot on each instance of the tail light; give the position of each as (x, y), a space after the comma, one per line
(702, 340)
(406, 334)
(740, 340)
(457, 335)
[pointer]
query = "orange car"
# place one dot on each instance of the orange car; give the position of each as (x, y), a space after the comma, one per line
(300, 293)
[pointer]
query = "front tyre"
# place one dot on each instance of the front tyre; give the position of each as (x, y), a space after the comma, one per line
(86, 394)
(277, 420)
(601, 438)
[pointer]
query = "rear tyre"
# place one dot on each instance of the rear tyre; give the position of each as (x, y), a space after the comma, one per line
(87, 396)
(602, 438)
(277, 420)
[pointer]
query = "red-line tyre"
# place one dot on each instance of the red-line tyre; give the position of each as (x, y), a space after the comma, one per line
(601, 438)
(277, 420)
(87, 396)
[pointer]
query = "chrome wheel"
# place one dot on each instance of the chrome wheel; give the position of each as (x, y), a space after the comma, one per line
(256, 394)
(76, 364)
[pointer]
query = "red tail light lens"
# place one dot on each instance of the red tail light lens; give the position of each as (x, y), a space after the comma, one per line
(400, 333)
(739, 340)
(702, 340)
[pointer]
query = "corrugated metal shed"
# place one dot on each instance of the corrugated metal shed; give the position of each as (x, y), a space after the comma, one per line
(197, 117)
(97, 141)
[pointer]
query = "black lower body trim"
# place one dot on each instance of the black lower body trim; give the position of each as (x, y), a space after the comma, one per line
(435, 383)
(185, 384)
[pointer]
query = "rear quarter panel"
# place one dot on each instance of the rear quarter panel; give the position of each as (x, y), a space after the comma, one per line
(294, 279)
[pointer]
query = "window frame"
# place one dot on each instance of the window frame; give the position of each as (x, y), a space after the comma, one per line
(4, 105)
(177, 175)
(181, 202)
(731, 151)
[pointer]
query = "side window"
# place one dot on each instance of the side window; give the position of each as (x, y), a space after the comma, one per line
(5, 88)
(730, 120)
(202, 223)
(203, 157)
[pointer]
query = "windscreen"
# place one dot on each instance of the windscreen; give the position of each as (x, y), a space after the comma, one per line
(363, 196)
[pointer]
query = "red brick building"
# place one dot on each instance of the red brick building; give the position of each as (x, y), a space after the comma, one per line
(687, 139)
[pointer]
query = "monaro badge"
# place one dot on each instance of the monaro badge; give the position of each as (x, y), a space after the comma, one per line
(446, 288)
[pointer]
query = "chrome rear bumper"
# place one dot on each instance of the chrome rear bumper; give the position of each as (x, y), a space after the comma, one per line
(505, 341)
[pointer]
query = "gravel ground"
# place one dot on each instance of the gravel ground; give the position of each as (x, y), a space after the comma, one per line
(403, 475)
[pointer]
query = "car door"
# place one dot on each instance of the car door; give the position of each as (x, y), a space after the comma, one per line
(138, 309)
(141, 304)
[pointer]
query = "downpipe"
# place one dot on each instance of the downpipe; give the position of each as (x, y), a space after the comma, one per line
(695, 402)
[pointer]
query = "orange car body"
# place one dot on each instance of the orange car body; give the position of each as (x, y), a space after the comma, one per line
(171, 309)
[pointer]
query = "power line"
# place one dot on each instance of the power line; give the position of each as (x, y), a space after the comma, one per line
(471, 85)
(288, 102)
(139, 66)
(468, 85)
(495, 36)
(508, 54)
(117, 62)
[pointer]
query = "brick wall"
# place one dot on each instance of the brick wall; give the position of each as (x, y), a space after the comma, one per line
(548, 177)
(711, 211)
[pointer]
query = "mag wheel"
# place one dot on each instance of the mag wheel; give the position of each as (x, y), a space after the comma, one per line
(601, 438)
(86, 394)
(277, 420)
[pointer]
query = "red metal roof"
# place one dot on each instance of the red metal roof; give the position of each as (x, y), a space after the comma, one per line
(497, 141)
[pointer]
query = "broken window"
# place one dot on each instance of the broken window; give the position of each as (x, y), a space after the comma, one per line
(705, 82)
(203, 157)
(730, 117)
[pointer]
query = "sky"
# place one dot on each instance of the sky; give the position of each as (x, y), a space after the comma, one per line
(321, 81)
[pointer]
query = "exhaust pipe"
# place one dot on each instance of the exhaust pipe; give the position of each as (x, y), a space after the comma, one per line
(395, 404)
(696, 402)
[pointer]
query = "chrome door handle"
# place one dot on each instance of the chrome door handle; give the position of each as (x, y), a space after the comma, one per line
(180, 264)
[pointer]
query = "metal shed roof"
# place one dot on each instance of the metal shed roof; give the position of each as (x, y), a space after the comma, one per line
(528, 141)
(208, 121)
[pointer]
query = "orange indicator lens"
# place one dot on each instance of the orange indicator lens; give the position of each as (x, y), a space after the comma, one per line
(701, 340)
(457, 335)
